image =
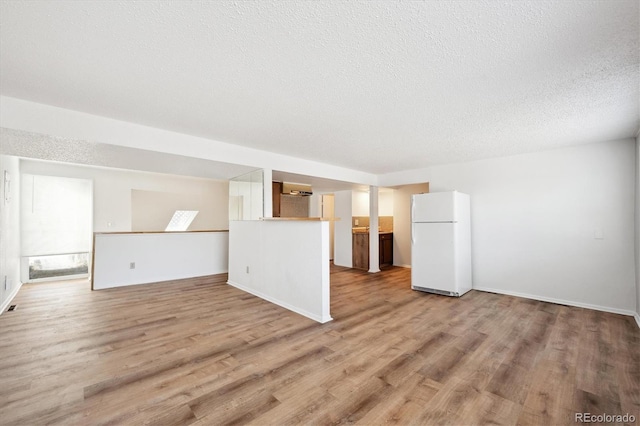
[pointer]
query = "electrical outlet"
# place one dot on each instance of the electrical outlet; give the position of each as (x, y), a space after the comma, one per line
(132, 265)
(357, 222)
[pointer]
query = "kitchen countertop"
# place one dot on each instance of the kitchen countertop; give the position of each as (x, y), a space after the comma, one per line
(366, 232)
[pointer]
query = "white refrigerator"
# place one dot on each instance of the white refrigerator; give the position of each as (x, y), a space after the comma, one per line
(441, 243)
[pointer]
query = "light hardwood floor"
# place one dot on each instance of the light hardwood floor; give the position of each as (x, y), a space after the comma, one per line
(202, 352)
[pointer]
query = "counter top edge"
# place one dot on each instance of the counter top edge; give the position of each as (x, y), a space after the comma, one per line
(158, 232)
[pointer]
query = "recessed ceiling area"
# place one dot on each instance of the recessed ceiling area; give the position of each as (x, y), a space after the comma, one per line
(377, 86)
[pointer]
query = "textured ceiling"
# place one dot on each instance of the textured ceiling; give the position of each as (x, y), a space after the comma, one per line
(373, 86)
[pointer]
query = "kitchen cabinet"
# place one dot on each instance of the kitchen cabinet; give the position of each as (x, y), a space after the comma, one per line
(276, 188)
(360, 249)
(386, 249)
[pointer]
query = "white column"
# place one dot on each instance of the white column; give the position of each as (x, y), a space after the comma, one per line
(374, 241)
(267, 202)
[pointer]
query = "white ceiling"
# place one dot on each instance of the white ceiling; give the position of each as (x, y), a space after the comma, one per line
(374, 86)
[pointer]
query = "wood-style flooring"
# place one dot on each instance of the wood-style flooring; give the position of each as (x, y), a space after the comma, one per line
(204, 353)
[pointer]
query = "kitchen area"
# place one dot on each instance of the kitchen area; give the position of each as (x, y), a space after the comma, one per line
(361, 237)
(350, 233)
(285, 257)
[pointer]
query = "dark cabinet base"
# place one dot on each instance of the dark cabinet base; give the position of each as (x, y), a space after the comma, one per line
(386, 250)
(361, 250)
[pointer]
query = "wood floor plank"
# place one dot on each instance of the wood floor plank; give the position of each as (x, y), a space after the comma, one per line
(494, 410)
(550, 399)
(200, 352)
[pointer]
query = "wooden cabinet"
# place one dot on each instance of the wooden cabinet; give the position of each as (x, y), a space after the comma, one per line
(276, 188)
(361, 250)
(386, 249)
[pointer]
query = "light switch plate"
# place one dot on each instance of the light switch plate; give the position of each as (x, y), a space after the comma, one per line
(598, 234)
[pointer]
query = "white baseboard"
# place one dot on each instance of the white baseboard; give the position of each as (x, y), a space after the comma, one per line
(321, 319)
(403, 266)
(7, 303)
(560, 301)
(637, 317)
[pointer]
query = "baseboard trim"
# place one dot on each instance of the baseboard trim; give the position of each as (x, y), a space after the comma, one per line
(321, 319)
(7, 303)
(559, 301)
(637, 317)
(403, 266)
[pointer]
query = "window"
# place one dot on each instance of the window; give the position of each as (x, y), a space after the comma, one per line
(56, 226)
(63, 265)
(181, 220)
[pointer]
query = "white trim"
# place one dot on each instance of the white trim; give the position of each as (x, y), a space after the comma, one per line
(320, 319)
(558, 301)
(7, 302)
(637, 317)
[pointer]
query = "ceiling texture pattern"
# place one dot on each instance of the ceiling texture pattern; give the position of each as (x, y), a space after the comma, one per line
(376, 86)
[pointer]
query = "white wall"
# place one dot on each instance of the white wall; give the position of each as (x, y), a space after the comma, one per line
(284, 262)
(385, 202)
(343, 236)
(9, 231)
(637, 219)
(157, 257)
(360, 203)
(315, 205)
(112, 191)
(534, 218)
(402, 222)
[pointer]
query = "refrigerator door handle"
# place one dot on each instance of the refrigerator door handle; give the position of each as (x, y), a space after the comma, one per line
(413, 240)
(412, 208)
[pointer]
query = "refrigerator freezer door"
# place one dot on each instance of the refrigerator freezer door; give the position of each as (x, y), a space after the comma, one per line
(433, 265)
(433, 207)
